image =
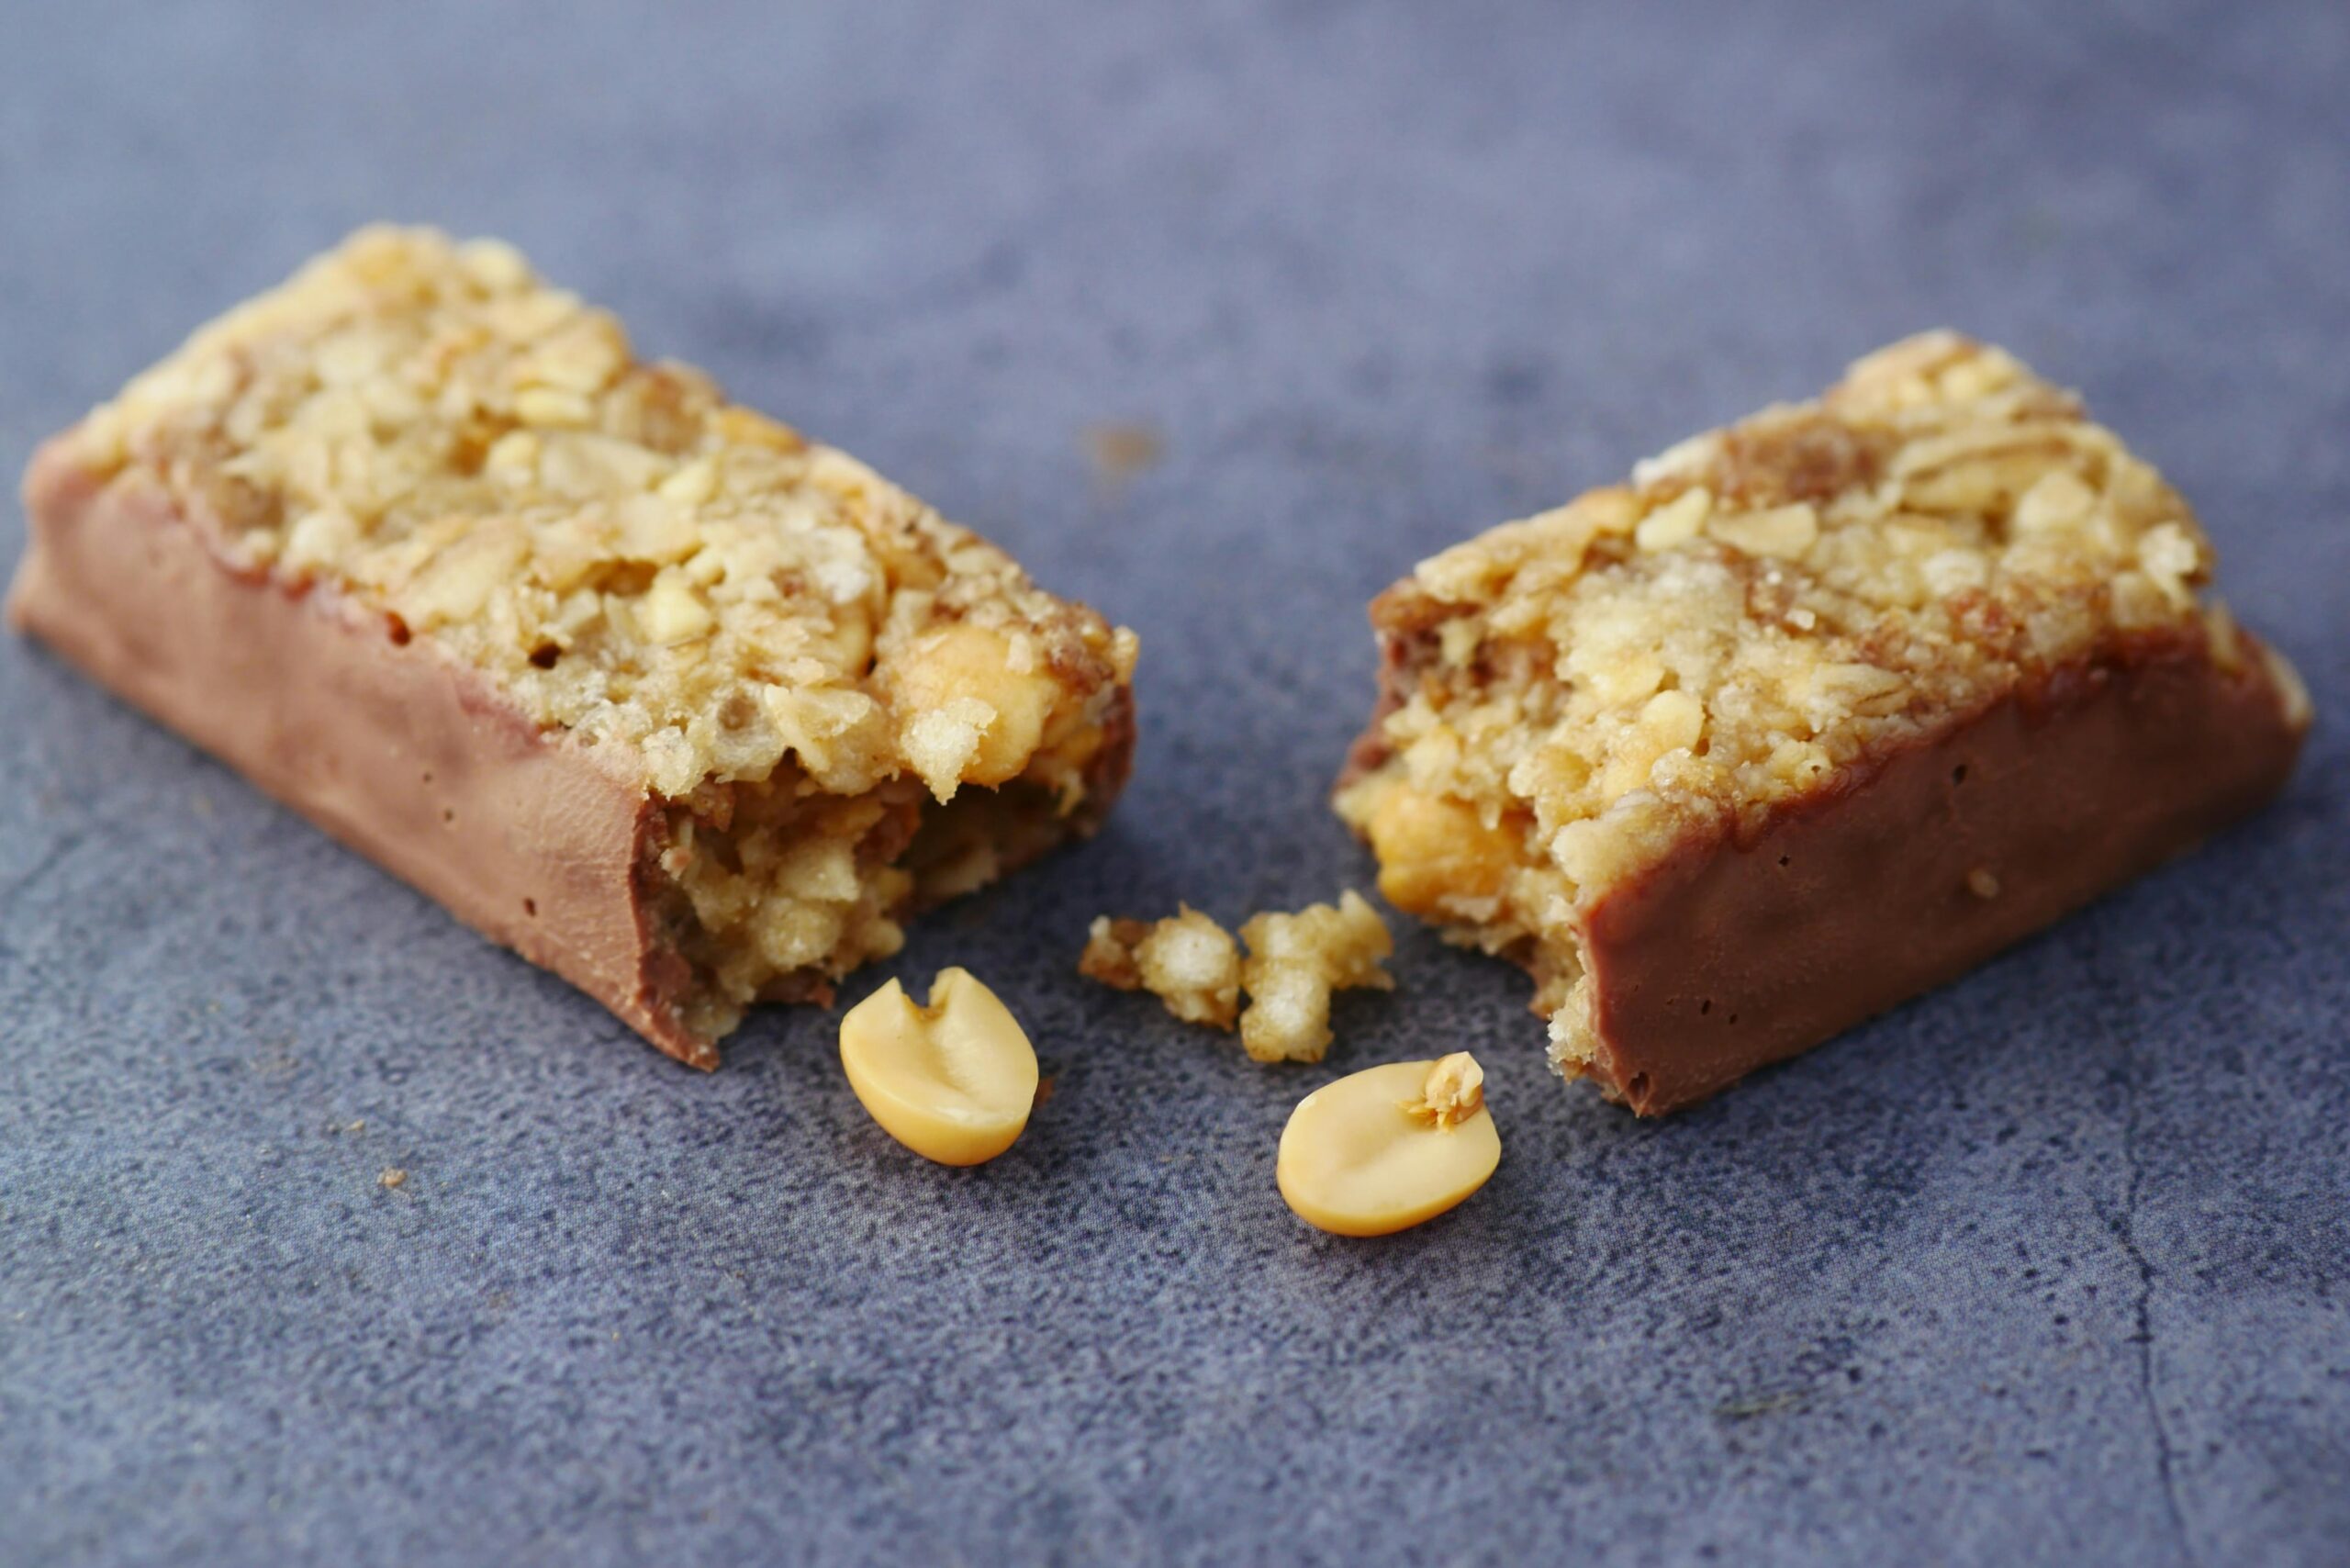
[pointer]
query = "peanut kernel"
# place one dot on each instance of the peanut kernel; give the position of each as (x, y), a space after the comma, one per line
(1782, 532)
(967, 670)
(1431, 848)
(953, 1081)
(1677, 521)
(672, 612)
(2058, 500)
(1385, 1149)
(551, 406)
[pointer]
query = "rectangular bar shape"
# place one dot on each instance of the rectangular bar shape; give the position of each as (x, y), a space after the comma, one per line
(636, 681)
(1816, 712)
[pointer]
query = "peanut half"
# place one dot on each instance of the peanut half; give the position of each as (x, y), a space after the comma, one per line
(953, 1081)
(1383, 1149)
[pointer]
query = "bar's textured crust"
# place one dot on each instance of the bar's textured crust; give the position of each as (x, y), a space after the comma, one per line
(635, 680)
(1816, 712)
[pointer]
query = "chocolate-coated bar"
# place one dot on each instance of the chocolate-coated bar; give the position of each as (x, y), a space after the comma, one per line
(638, 682)
(1816, 712)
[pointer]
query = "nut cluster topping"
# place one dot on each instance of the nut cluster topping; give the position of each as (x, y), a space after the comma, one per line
(1295, 963)
(457, 445)
(1758, 611)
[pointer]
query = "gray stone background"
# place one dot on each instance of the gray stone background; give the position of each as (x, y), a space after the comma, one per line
(2049, 1266)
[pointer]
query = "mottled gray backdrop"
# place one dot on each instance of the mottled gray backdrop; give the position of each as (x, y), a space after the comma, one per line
(2049, 1266)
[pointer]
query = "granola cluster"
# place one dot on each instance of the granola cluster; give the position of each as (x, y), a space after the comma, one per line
(483, 458)
(1295, 963)
(1760, 608)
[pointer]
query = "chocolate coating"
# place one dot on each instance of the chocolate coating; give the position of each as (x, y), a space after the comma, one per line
(1729, 956)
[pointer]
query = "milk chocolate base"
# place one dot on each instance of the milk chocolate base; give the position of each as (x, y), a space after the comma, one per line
(392, 747)
(1729, 956)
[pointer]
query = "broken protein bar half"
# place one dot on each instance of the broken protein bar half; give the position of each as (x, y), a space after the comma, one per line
(1817, 712)
(638, 682)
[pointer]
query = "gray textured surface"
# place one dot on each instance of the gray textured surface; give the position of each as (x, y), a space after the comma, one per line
(2050, 1266)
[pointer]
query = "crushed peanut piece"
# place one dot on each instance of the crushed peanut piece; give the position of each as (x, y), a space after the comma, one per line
(955, 1080)
(1388, 1148)
(1294, 962)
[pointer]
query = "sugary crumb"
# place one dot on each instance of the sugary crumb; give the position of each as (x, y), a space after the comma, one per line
(1295, 963)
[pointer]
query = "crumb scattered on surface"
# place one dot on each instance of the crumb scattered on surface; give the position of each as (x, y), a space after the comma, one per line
(1188, 961)
(1121, 451)
(1295, 963)
(393, 1177)
(1109, 954)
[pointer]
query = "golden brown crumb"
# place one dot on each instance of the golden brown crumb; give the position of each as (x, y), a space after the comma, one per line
(1294, 962)
(1454, 1091)
(1109, 954)
(393, 1177)
(1188, 961)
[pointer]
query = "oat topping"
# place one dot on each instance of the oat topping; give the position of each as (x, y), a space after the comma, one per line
(1295, 963)
(483, 458)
